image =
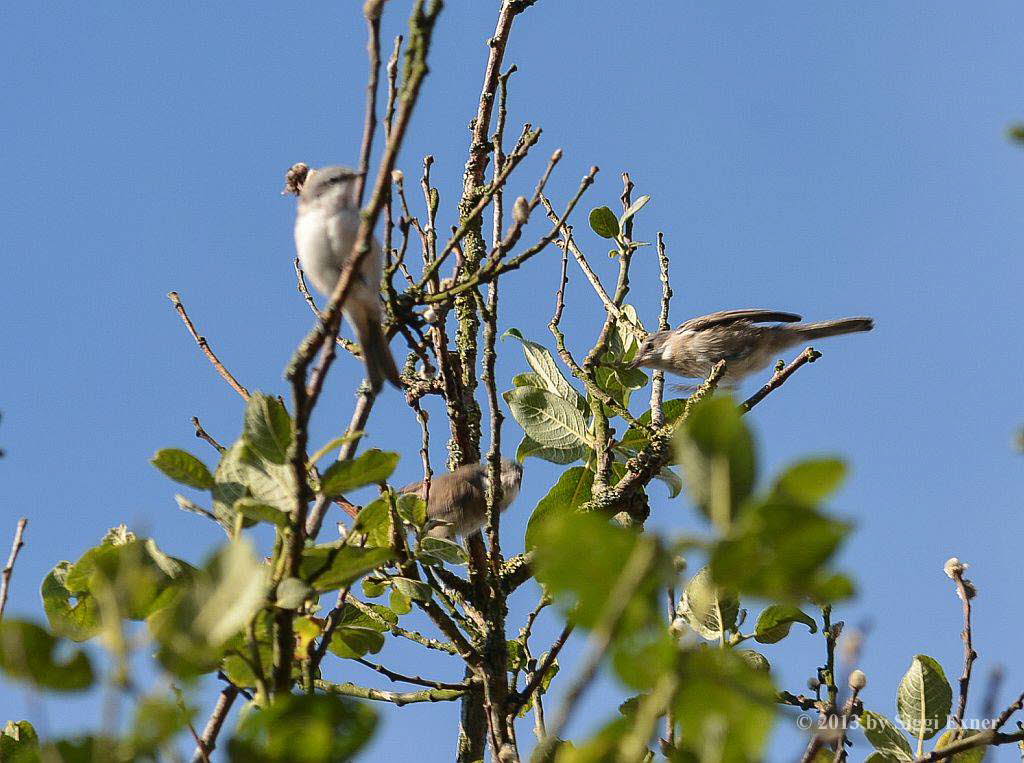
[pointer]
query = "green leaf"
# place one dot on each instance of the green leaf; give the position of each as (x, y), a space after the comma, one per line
(157, 721)
(332, 566)
(582, 580)
(546, 371)
(244, 474)
(19, 743)
(548, 419)
(774, 622)
(975, 755)
(31, 654)
(671, 480)
(221, 598)
(372, 467)
(755, 659)
(572, 490)
(304, 728)
(707, 608)
(261, 512)
(528, 447)
(924, 698)
(812, 480)
(400, 603)
(268, 428)
(374, 520)
(716, 451)
(779, 549)
(78, 621)
(414, 589)
(181, 466)
(633, 208)
(604, 223)
(352, 642)
(291, 593)
(886, 737)
(724, 706)
(412, 509)
(438, 550)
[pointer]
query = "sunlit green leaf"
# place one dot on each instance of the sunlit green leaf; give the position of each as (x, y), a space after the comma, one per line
(604, 222)
(332, 566)
(975, 755)
(572, 490)
(716, 451)
(370, 468)
(268, 428)
(19, 743)
(812, 480)
(548, 419)
(529, 448)
(924, 698)
(545, 370)
(886, 737)
(708, 608)
(437, 550)
(774, 622)
(414, 589)
(181, 466)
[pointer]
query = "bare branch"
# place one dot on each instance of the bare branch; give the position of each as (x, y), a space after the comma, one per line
(202, 434)
(205, 347)
(208, 741)
(398, 698)
(5, 576)
(779, 378)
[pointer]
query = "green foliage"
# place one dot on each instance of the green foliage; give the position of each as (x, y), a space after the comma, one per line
(183, 467)
(268, 428)
(716, 451)
(976, 755)
(710, 610)
(774, 623)
(358, 633)
(221, 598)
(19, 743)
(303, 729)
(372, 467)
(572, 490)
(331, 566)
(133, 577)
(724, 706)
(604, 222)
(32, 655)
(924, 698)
(886, 737)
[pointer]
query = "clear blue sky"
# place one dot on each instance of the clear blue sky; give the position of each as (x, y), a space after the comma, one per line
(820, 158)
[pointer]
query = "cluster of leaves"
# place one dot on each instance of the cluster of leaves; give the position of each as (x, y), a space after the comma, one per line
(720, 695)
(923, 701)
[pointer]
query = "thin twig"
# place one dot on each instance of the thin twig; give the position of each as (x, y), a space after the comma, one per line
(779, 378)
(5, 580)
(213, 726)
(542, 670)
(205, 347)
(398, 698)
(415, 680)
(658, 377)
(372, 11)
(965, 590)
(202, 434)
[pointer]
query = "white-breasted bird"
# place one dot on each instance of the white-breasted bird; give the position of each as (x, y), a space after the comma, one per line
(326, 227)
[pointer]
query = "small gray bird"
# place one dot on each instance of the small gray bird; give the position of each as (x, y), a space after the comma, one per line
(734, 336)
(326, 226)
(460, 497)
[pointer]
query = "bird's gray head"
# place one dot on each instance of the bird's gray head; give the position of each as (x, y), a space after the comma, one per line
(650, 350)
(330, 183)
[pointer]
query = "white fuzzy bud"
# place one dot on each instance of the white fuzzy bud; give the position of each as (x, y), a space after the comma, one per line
(858, 680)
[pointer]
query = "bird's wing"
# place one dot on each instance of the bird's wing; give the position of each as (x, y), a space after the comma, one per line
(752, 314)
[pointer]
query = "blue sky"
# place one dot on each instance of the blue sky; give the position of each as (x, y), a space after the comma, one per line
(824, 159)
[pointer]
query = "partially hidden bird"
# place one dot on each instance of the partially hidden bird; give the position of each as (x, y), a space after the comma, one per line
(459, 498)
(326, 228)
(738, 337)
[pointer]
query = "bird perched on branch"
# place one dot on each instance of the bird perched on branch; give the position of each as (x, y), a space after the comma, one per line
(460, 497)
(736, 337)
(326, 228)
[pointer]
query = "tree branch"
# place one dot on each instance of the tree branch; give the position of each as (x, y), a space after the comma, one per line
(5, 576)
(205, 347)
(779, 378)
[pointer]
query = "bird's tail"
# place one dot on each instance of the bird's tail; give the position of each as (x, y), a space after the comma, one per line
(380, 365)
(833, 328)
